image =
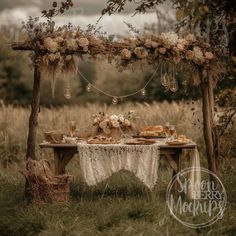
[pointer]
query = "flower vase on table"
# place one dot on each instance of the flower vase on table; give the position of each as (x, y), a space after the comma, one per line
(115, 134)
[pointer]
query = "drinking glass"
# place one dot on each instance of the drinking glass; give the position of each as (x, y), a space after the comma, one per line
(166, 130)
(72, 128)
(172, 132)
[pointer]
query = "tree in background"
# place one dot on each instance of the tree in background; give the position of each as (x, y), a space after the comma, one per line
(13, 75)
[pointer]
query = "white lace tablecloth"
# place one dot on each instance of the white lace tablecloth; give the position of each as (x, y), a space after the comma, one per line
(98, 162)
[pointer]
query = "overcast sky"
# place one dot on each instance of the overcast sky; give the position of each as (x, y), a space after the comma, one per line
(83, 13)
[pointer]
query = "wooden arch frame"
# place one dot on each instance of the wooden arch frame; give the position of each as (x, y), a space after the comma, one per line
(107, 47)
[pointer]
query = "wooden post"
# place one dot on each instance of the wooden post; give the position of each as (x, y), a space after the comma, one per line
(33, 120)
(210, 134)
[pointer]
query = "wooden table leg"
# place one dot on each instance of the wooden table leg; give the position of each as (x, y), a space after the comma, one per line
(62, 158)
(178, 168)
(56, 161)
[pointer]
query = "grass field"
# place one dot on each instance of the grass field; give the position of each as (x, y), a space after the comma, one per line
(119, 206)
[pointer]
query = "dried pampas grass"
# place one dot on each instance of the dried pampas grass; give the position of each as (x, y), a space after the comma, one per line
(53, 64)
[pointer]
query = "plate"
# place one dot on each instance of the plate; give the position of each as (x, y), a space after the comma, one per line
(177, 143)
(148, 137)
(105, 142)
(140, 142)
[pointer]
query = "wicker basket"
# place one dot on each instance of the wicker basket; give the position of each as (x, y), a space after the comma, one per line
(43, 186)
(53, 137)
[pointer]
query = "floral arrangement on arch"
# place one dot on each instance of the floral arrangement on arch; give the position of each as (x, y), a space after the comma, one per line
(55, 49)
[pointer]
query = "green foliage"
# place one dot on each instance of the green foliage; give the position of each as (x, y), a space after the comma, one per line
(13, 70)
(56, 10)
(122, 213)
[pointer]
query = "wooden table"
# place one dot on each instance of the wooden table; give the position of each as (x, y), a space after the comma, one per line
(63, 153)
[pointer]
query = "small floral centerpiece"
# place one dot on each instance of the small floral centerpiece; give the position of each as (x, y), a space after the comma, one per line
(112, 125)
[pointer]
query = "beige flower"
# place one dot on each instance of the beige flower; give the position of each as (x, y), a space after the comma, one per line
(140, 52)
(59, 39)
(189, 55)
(103, 124)
(162, 50)
(125, 54)
(96, 120)
(175, 49)
(198, 54)
(183, 41)
(121, 118)
(52, 57)
(71, 44)
(127, 123)
(68, 58)
(83, 42)
(114, 118)
(150, 43)
(191, 38)
(51, 45)
(115, 124)
(169, 39)
(209, 55)
(155, 44)
(180, 46)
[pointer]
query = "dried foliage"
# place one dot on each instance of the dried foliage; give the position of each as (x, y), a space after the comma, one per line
(43, 185)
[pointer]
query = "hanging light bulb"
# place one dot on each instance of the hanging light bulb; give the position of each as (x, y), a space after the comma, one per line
(174, 86)
(114, 100)
(143, 92)
(89, 88)
(67, 92)
(164, 80)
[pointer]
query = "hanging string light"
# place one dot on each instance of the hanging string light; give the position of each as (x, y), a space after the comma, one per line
(114, 100)
(143, 92)
(67, 92)
(174, 86)
(164, 80)
(89, 88)
(167, 80)
(67, 89)
(173, 83)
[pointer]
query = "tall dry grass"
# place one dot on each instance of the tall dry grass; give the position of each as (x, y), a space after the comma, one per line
(119, 206)
(14, 120)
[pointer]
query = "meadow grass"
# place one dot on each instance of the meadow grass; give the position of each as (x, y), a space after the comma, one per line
(120, 205)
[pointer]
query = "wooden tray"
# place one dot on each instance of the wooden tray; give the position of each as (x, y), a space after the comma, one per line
(177, 143)
(105, 142)
(148, 137)
(140, 142)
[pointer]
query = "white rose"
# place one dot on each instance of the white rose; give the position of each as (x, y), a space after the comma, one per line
(121, 118)
(114, 117)
(51, 45)
(71, 44)
(83, 42)
(125, 54)
(140, 52)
